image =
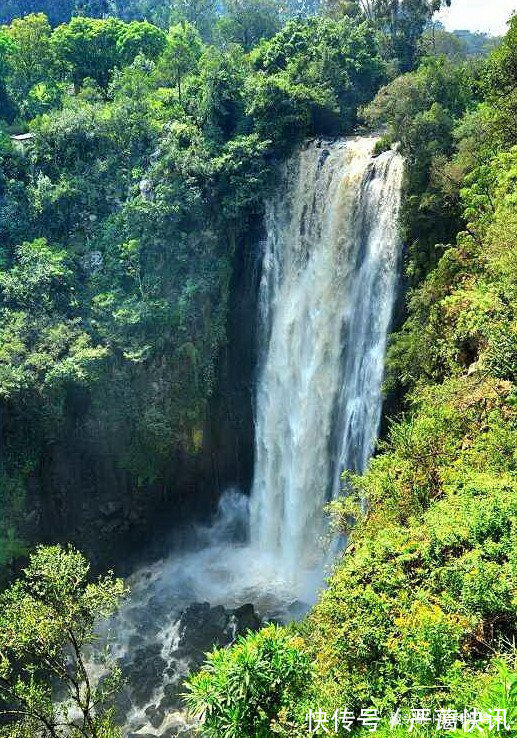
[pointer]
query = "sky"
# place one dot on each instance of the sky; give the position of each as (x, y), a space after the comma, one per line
(489, 16)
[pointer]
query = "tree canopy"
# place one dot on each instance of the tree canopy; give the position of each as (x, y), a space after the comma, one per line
(47, 620)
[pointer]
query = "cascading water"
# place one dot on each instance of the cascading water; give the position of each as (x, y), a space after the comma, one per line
(326, 297)
(326, 300)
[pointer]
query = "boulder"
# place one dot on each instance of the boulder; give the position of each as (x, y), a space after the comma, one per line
(144, 670)
(245, 618)
(156, 715)
(201, 628)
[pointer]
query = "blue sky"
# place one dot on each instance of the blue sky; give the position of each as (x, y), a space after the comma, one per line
(478, 15)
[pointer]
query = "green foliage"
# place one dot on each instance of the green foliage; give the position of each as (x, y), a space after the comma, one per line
(220, 105)
(57, 12)
(501, 83)
(284, 111)
(325, 68)
(243, 176)
(401, 24)
(438, 42)
(93, 48)
(424, 595)
(477, 44)
(181, 56)
(140, 38)
(44, 345)
(30, 62)
(463, 316)
(247, 22)
(242, 692)
(422, 109)
(87, 47)
(47, 621)
(458, 45)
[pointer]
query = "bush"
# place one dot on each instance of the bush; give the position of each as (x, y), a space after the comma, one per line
(241, 692)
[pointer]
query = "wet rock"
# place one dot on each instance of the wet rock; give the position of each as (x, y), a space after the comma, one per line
(111, 509)
(294, 611)
(135, 642)
(144, 671)
(201, 628)
(158, 609)
(156, 715)
(178, 728)
(137, 724)
(147, 624)
(297, 609)
(245, 619)
(172, 697)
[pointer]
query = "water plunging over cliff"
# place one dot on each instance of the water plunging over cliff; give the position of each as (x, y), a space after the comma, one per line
(326, 300)
(326, 297)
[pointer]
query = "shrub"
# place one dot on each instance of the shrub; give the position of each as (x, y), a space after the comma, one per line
(241, 692)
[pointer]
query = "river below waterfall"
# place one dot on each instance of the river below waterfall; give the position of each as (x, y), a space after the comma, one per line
(326, 297)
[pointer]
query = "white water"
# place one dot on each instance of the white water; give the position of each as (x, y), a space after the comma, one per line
(326, 298)
(326, 301)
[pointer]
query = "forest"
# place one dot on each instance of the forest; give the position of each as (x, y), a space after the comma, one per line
(140, 142)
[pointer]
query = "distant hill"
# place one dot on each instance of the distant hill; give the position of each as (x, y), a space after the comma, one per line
(456, 45)
(476, 44)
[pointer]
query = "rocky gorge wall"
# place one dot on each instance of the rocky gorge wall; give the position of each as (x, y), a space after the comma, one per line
(83, 493)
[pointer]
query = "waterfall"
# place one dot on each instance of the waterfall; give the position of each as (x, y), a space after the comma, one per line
(326, 299)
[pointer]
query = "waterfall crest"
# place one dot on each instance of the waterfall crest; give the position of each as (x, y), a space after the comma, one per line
(326, 299)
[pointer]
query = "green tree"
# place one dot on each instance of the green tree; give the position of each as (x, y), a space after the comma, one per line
(438, 42)
(200, 13)
(140, 38)
(7, 107)
(337, 63)
(477, 44)
(43, 343)
(421, 109)
(47, 622)
(401, 23)
(246, 22)
(501, 83)
(88, 47)
(220, 105)
(30, 54)
(94, 8)
(56, 11)
(181, 55)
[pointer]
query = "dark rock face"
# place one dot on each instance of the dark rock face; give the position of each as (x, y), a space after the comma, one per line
(83, 482)
(202, 627)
